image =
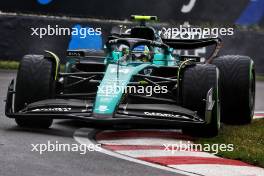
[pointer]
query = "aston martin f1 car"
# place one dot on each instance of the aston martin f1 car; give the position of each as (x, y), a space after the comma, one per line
(140, 81)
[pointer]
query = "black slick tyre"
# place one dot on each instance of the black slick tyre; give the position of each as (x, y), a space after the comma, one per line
(197, 82)
(35, 82)
(237, 84)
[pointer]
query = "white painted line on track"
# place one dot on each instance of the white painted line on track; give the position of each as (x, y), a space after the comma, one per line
(148, 141)
(150, 137)
(259, 112)
(160, 153)
(82, 136)
(258, 115)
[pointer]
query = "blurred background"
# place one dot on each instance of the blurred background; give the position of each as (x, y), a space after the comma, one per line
(17, 17)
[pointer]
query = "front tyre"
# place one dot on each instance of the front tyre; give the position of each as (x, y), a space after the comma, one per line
(35, 81)
(197, 82)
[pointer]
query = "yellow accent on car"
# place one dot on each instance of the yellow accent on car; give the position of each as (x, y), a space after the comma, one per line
(57, 62)
(143, 82)
(145, 18)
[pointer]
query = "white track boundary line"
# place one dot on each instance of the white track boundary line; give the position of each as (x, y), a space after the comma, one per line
(161, 153)
(256, 116)
(84, 135)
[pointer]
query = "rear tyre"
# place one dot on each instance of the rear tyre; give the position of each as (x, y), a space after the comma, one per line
(237, 84)
(35, 82)
(197, 81)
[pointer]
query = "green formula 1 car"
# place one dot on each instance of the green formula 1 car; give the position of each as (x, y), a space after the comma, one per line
(140, 81)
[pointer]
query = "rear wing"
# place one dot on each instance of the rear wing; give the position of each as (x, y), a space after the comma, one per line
(195, 44)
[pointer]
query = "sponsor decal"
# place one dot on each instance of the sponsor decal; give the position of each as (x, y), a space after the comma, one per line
(52, 109)
(75, 53)
(166, 115)
(148, 71)
(103, 108)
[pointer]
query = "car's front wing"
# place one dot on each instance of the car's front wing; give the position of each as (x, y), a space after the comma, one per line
(150, 114)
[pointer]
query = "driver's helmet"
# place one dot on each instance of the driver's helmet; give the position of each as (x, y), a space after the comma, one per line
(141, 53)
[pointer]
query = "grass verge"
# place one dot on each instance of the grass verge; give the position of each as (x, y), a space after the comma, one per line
(9, 65)
(248, 142)
(260, 78)
(13, 65)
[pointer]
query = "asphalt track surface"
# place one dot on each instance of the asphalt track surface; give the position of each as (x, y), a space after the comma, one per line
(16, 157)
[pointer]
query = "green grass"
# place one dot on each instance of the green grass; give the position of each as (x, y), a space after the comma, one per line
(13, 65)
(248, 142)
(9, 65)
(260, 78)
